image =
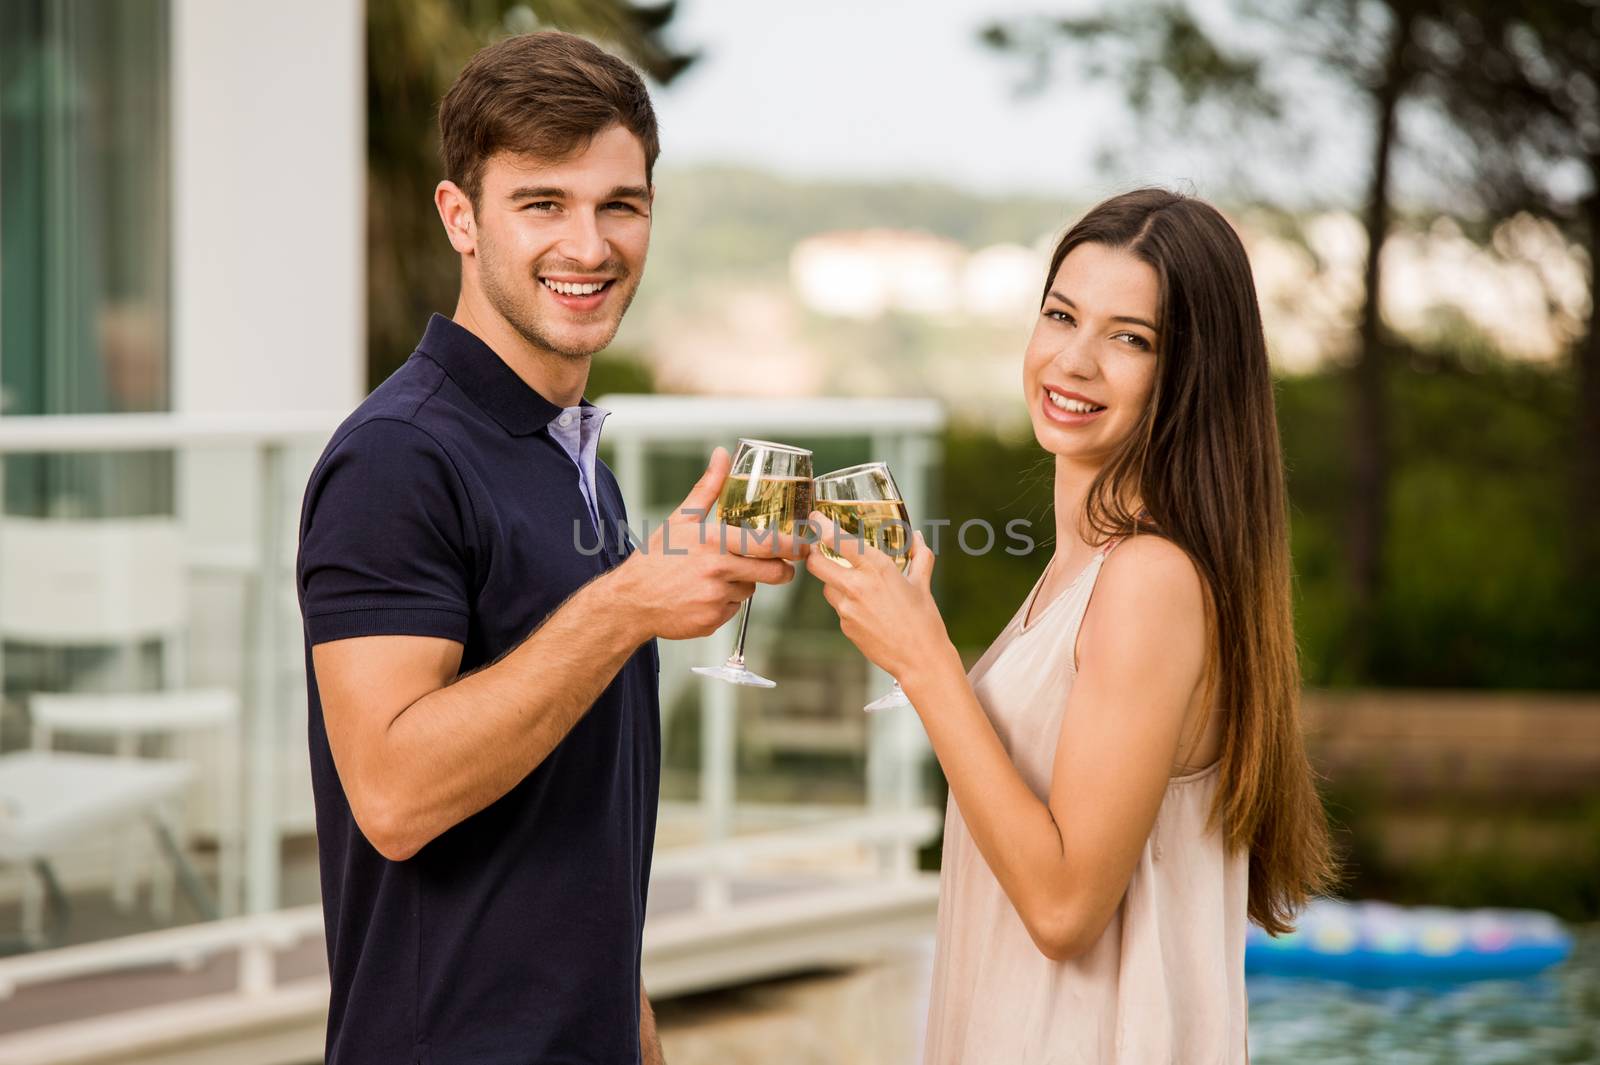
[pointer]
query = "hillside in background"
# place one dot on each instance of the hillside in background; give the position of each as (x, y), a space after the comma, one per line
(764, 285)
(720, 310)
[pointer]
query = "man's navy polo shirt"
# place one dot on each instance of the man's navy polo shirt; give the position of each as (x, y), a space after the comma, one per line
(443, 507)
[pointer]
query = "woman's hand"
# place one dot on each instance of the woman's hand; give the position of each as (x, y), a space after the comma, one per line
(891, 617)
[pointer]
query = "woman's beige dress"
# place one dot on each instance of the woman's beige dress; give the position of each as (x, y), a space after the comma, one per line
(1165, 981)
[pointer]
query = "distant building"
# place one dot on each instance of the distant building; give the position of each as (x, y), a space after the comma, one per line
(1004, 280)
(867, 273)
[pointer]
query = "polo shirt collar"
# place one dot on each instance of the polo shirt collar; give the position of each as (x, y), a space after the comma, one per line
(486, 379)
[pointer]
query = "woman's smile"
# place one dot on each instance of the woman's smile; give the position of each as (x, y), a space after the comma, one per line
(1068, 408)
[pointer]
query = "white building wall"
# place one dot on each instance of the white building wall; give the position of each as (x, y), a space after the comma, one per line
(269, 210)
(269, 205)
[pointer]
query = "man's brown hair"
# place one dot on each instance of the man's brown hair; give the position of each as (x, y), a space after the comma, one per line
(547, 94)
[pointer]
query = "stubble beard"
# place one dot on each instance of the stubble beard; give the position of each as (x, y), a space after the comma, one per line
(521, 312)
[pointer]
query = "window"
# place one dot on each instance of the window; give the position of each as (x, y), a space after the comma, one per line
(85, 241)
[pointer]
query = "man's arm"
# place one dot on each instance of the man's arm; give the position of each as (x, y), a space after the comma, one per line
(649, 1041)
(417, 754)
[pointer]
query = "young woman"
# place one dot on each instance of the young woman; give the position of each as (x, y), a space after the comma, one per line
(1128, 782)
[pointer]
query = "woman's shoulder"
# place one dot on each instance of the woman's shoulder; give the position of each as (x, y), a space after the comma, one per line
(1150, 559)
(1146, 615)
(1150, 579)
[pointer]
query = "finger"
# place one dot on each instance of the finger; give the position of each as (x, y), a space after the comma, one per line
(697, 505)
(759, 570)
(922, 560)
(825, 569)
(763, 543)
(742, 590)
(849, 547)
(779, 576)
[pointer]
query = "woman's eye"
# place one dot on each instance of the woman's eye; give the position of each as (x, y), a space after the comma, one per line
(1135, 339)
(1059, 316)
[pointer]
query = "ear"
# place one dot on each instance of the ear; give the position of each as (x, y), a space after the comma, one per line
(455, 211)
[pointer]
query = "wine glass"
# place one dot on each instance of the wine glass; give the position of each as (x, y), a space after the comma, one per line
(864, 502)
(768, 488)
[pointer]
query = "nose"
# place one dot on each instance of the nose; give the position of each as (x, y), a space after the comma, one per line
(1076, 356)
(583, 243)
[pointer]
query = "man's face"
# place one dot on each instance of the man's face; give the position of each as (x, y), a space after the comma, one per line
(560, 247)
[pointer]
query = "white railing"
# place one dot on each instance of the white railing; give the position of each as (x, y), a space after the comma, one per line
(895, 820)
(902, 432)
(269, 437)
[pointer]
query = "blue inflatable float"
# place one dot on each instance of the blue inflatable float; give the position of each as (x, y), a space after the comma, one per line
(1376, 943)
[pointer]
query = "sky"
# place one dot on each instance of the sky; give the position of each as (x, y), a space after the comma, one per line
(873, 90)
(889, 89)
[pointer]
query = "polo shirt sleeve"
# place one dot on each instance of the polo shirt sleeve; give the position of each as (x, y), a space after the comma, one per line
(386, 534)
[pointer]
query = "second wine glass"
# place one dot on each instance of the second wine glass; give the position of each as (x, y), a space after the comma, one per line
(865, 503)
(768, 489)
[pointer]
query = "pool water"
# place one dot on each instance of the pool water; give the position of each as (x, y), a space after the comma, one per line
(1548, 1019)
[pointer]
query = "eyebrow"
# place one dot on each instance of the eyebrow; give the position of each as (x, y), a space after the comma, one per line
(1115, 318)
(537, 192)
(551, 192)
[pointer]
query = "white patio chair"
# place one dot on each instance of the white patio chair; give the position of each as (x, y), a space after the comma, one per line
(52, 800)
(117, 584)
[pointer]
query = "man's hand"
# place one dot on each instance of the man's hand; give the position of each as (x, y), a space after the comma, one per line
(649, 1041)
(693, 574)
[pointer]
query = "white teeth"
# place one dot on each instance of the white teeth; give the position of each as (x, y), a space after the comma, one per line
(568, 289)
(1077, 406)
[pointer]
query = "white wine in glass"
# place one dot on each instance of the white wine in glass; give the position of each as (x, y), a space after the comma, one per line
(882, 523)
(864, 502)
(768, 489)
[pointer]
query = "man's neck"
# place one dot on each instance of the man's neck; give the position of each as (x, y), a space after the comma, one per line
(558, 379)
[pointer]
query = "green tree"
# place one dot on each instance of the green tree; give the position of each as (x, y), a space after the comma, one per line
(414, 50)
(1521, 86)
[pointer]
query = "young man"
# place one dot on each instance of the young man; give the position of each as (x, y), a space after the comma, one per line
(485, 741)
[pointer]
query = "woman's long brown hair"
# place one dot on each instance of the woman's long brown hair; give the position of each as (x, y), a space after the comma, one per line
(1205, 462)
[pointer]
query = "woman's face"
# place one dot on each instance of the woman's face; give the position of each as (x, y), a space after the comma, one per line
(1091, 363)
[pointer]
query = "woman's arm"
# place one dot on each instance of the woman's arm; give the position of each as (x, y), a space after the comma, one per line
(1065, 863)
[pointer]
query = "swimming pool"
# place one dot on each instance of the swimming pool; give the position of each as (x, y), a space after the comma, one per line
(1543, 1020)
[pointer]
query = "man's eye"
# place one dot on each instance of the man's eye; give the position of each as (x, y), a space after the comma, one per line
(619, 205)
(540, 205)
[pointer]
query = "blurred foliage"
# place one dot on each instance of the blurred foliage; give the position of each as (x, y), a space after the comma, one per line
(615, 371)
(1485, 853)
(415, 48)
(1482, 590)
(989, 478)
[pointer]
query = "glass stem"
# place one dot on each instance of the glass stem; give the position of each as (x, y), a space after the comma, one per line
(737, 658)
